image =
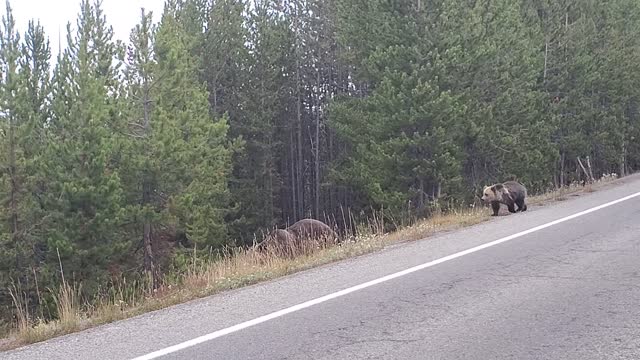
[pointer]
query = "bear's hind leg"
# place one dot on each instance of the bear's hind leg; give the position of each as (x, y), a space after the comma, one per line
(496, 207)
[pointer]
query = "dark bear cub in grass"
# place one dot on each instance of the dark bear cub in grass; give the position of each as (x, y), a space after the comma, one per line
(510, 193)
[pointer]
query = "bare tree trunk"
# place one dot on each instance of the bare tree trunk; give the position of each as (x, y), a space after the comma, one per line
(590, 170)
(268, 163)
(332, 190)
(270, 191)
(421, 199)
(317, 152)
(584, 170)
(586, 174)
(566, 30)
(300, 156)
(214, 94)
(294, 188)
(546, 61)
(623, 160)
(149, 261)
(562, 165)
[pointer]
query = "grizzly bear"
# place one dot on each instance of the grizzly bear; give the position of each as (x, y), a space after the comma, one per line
(290, 241)
(312, 229)
(509, 193)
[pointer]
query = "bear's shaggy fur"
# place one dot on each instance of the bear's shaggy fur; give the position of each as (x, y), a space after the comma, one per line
(280, 241)
(509, 193)
(297, 237)
(312, 229)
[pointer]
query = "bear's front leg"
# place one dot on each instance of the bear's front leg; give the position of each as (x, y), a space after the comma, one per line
(495, 205)
(512, 208)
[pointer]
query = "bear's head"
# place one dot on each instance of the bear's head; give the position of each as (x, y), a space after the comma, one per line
(282, 237)
(279, 242)
(493, 193)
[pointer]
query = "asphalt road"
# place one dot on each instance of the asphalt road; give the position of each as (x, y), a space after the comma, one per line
(566, 291)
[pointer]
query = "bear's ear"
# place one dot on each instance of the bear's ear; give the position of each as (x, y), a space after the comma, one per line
(497, 187)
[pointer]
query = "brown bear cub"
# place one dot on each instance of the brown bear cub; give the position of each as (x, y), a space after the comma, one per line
(509, 193)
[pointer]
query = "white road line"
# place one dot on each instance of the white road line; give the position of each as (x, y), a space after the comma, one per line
(306, 304)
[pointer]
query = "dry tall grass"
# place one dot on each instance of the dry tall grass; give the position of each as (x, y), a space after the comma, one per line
(239, 267)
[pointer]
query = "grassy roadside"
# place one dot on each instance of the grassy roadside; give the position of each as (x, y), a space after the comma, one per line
(240, 268)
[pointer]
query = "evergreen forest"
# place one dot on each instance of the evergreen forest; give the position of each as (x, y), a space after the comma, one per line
(218, 120)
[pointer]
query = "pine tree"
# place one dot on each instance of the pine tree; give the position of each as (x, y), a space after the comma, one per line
(84, 194)
(260, 122)
(405, 129)
(318, 79)
(35, 89)
(194, 148)
(143, 165)
(224, 56)
(24, 104)
(34, 99)
(12, 171)
(507, 133)
(228, 76)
